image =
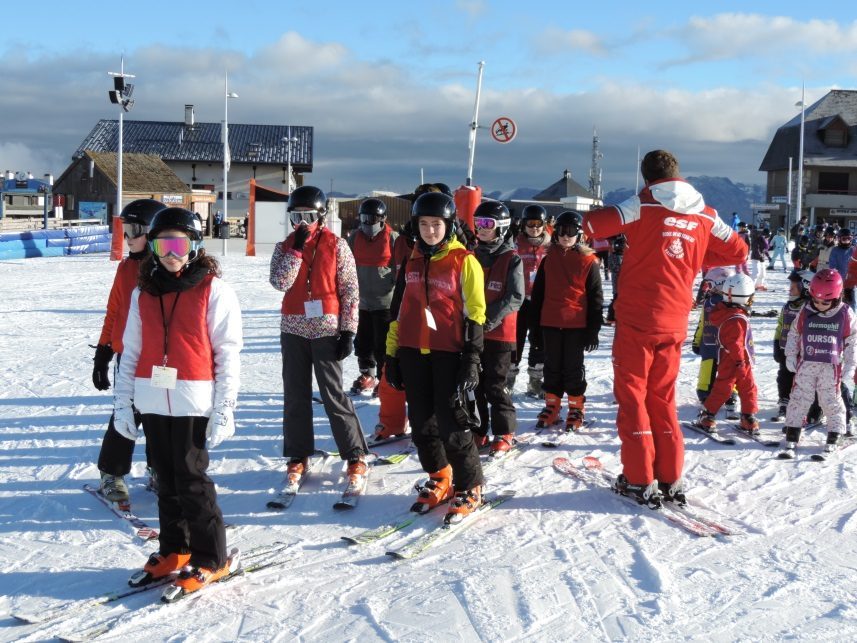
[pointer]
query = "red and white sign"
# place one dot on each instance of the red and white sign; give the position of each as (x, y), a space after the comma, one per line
(504, 130)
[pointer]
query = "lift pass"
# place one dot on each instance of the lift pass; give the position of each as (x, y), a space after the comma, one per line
(164, 377)
(312, 308)
(430, 319)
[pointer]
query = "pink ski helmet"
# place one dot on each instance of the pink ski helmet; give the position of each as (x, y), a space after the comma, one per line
(827, 284)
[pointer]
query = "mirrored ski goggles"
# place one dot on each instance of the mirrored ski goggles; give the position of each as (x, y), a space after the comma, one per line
(178, 247)
(134, 230)
(534, 223)
(485, 223)
(567, 231)
(371, 219)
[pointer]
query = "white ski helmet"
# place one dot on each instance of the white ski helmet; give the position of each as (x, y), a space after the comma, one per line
(739, 289)
(716, 276)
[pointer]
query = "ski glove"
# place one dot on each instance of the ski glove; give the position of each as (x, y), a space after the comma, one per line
(393, 373)
(344, 345)
(301, 235)
(103, 355)
(591, 341)
(125, 424)
(221, 424)
(791, 363)
(468, 373)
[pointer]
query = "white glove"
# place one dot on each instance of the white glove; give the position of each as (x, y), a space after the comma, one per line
(123, 422)
(221, 425)
(791, 363)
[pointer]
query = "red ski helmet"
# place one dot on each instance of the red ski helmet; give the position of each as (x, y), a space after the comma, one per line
(827, 284)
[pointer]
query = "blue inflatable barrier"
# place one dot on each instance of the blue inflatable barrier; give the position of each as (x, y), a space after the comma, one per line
(55, 243)
(87, 231)
(27, 253)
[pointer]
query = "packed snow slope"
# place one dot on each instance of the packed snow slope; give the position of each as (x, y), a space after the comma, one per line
(561, 561)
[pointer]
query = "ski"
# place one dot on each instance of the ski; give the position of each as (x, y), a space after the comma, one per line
(563, 436)
(63, 610)
(756, 437)
(693, 426)
(493, 461)
(286, 496)
(352, 492)
(595, 477)
(396, 458)
(141, 529)
(844, 443)
(389, 440)
(443, 533)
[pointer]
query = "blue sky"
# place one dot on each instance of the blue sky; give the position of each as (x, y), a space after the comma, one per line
(389, 86)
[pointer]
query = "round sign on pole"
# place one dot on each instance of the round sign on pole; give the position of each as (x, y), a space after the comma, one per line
(503, 130)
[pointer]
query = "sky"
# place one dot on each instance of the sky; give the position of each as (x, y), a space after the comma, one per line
(390, 86)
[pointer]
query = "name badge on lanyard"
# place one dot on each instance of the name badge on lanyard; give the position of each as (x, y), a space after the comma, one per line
(430, 319)
(164, 377)
(313, 308)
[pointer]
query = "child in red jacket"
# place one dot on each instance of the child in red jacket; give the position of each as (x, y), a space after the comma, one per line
(735, 363)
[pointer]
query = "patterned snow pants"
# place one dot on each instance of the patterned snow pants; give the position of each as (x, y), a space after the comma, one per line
(812, 378)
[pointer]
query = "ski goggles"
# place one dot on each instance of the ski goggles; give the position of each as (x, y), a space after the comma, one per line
(134, 230)
(489, 223)
(534, 223)
(567, 231)
(178, 247)
(822, 302)
(371, 219)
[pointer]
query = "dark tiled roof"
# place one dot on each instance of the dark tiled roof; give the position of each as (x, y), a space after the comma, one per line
(140, 172)
(786, 142)
(201, 143)
(565, 187)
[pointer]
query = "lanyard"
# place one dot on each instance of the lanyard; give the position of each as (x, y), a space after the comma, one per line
(167, 322)
(309, 267)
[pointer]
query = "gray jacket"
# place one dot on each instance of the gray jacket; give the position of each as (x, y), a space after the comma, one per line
(513, 296)
(376, 282)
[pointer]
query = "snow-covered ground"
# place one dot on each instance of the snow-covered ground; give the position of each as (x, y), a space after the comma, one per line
(559, 561)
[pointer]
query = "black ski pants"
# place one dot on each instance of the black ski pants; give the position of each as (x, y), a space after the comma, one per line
(431, 381)
(522, 330)
(564, 370)
(189, 517)
(496, 360)
(371, 344)
(116, 450)
(301, 358)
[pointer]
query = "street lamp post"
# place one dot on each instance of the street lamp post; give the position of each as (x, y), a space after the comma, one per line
(227, 160)
(799, 194)
(120, 95)
(288, 140)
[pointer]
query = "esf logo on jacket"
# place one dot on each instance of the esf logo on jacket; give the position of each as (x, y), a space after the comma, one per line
(681, 224)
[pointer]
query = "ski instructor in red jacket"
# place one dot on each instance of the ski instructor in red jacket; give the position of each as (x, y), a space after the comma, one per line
(670, 234)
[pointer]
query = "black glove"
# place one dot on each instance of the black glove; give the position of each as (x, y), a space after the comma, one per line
(301, 235)
(344, 345)
(393, 372)
(468, 373)
(103, 355)
(591, 340)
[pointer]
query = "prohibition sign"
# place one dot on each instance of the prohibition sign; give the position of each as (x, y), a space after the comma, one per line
(503, 130)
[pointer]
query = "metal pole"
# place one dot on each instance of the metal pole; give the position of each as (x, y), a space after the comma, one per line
(789, 201)
(800, 153)
(225, 159)
(119, 155)
(637, 173)
(289, 158)
(474, 125)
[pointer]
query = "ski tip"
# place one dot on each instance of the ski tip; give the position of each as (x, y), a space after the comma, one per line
(591, 462)
(343, 505)
(395, 555)
(350, 540)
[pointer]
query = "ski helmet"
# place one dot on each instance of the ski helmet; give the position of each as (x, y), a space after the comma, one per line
(492, 215)
(532, 212)
(739, 289)
(569, 223)
(716, 277)
(372, 215)
(433, 204)
(307, 204)
(619, 243)
(141, 211)
(826, 285)
(803, 241)
(176, 219)
(845, 237)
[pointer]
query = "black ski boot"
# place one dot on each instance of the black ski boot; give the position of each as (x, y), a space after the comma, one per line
(673, 492)
(644, 494)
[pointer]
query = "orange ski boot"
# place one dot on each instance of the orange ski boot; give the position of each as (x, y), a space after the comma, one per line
(574, 420)
(464, 504)
(192, 579)
(550, 414)
(437, 490)
(501, 445)
(158, 566)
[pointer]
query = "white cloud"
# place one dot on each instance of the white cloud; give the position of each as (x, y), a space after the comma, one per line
(473, 8)
(553, 40)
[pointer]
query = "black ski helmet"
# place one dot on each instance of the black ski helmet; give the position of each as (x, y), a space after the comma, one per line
(310, 198)
(176, 219)
(141, 211)
(374, 207)
(497, 211)
(433, 204)
(532, 212)
(568, 219)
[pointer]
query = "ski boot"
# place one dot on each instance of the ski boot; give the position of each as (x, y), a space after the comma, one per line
(295, 470)
(731, 413)
(481, 441)
(574, 419)
(511, 376)
(464, 504)
(534, 382)
(437, 490)
(192, 578)
(673, 492)
(790, 443)
(644, 494)
(114, 488)
(158, 566)
(749, 423)
(501, 445)
(832, 441)
(357, 471)
(705, 420)
(382, 432)
(782, 407)
(365, 383)
(550, 414)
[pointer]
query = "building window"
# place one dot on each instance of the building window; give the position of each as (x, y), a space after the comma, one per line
(835, 137)
(833, 182)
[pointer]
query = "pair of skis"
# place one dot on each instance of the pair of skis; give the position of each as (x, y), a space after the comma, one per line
(822, 456)
(350, 494)
(141, 529)
(687, 517)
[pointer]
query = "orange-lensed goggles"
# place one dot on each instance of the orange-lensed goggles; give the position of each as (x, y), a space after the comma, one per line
(179, 247)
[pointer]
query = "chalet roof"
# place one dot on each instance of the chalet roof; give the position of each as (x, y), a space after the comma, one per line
(565, 187)
(201, 142)
(786, 141)
(140, 172)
